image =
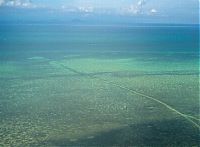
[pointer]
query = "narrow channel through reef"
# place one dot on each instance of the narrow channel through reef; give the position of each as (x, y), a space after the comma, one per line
(185, 116)
(101, 85)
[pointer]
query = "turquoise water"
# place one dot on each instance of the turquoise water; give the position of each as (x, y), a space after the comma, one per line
(99, 85)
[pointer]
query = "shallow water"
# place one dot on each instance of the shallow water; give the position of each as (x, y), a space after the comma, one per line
(99, 85)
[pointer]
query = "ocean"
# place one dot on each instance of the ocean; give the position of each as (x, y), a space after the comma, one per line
(65, 85)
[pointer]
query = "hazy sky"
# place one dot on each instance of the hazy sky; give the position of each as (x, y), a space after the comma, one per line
(180, 11)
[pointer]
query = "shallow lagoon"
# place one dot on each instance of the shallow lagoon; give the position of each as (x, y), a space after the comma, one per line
(82, 97)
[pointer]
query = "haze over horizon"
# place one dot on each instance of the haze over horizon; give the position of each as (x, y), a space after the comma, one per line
(104, 11)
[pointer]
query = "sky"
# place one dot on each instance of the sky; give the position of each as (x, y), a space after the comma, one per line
(141, 11)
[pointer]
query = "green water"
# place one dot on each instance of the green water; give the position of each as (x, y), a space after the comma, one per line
(99, 86)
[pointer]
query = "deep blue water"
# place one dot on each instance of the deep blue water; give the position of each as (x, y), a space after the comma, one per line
(61, 38)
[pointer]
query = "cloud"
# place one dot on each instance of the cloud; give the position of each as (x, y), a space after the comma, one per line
(81, 9)
(141, 3)
(1, 2)
(105, 7)
(82, 6)
(139, 8)
(88, 9)
(153, 11)
(134, 9)
(17, 3)
(68, 9)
